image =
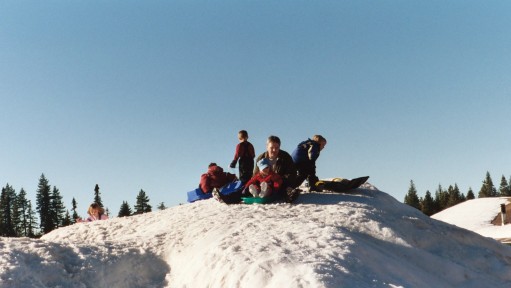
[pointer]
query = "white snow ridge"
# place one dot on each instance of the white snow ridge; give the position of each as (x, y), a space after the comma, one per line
(363, 239)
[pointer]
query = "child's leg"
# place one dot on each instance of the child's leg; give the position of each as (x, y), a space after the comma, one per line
(253, 190)
(246, 168)
(264, 190)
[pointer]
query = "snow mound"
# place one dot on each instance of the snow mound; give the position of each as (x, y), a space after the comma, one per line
(476, 215)
(364, 239)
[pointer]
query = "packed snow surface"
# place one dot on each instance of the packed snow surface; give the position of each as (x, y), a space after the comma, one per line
(362, 239)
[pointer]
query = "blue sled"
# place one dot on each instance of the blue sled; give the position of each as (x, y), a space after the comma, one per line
(197, 194)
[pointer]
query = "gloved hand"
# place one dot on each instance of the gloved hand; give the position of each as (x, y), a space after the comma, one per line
(233, 164)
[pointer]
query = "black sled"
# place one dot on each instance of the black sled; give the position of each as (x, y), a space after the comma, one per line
(340, 185)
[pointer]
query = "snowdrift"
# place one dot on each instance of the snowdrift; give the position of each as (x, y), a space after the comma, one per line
(364, 239)
(476, 215)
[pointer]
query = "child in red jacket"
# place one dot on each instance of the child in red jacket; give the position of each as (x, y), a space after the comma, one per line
(245, 154)
(265, 182)
(215, 178)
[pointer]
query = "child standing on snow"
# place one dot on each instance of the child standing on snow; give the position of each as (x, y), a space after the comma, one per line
(245, 153)
(265, 182)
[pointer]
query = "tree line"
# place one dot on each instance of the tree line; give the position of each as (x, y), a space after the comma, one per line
(18, 217)
(445, 198)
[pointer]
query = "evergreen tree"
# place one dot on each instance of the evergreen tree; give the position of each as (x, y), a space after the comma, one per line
(16, 216)
(75, 214)
(125, 210)
(7, 199)
(463, 198)
(428, 204)
(23, 207)
(411, 198)
(487, 189)
(57, 208)
(454, 196)
(67, 219)
(43, 205)
(504, 187)
(97, 197)
(162, 206)
(470, 194)
(441, 198)
(142, 205)
(31, 220)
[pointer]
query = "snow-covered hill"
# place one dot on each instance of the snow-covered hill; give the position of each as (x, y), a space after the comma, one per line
(476, 215)
(365, 239)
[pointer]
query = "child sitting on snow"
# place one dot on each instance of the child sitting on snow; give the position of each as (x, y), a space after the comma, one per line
(215, 178)
(265, 182)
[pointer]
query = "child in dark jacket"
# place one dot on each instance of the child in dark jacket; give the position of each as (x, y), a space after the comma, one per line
(265, 181)
(244, 154)
(305, 156)
(215, 178)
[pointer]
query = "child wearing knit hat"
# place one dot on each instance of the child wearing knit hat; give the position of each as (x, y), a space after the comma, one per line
(265, 182)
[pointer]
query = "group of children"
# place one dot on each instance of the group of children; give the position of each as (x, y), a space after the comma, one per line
(264, 181)
(261, 184)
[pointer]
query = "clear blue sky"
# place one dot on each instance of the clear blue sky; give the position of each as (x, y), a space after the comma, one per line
(137, 95)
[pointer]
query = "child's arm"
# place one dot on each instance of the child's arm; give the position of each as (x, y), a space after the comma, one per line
(255, 180)
(251, 150)
(236, 156)
(204, 183)
(252, 180)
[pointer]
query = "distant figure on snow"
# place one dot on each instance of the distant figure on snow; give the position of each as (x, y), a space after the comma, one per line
(305, 156)
(244, 154)
(95, 212)
(215, 178)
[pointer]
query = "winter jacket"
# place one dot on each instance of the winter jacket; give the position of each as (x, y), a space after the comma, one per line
(284, 166)
(215, 178)
(244, 150)
(273, 179)
(307, 150)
